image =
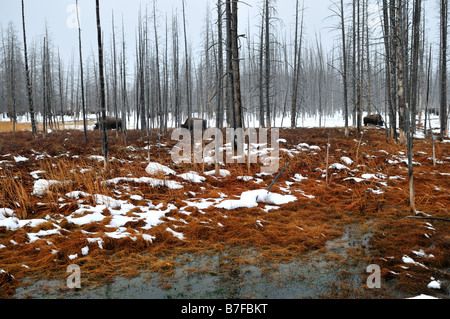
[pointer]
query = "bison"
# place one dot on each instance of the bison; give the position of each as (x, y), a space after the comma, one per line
(189, 123)
(374, 119)
(111, 123)
(434, 111)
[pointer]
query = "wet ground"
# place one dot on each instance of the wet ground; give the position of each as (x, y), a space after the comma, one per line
(330, 273)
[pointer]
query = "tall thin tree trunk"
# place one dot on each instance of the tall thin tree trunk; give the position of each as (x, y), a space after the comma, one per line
(296, 72)
(27, 73)
(230, 81)
(267, 62)
(83, 101)
(158, 73)
(188, 95)
(236, 68)
(102, 86)
(344, 72)
(415, 61)
(262, 122)
(400, 69)
(124, 88)
(114, 73)
(443, 107)
(219, 112)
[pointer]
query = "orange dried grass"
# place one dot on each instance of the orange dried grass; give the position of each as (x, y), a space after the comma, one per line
(294, 229)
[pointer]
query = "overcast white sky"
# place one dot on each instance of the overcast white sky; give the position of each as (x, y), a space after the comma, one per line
(59, 17)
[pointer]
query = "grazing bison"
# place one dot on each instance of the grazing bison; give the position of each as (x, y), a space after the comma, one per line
(111, 123)
(189, 123)
(434, 111)
(374, 119)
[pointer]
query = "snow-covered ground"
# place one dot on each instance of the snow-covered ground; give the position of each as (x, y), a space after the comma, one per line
(304, 120)
(138, 209)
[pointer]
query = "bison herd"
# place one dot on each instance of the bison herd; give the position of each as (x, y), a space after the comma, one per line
(373, 119)
(113, 123)
(190, 123)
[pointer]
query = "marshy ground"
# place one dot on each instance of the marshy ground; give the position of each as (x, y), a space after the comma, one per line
(156, 241)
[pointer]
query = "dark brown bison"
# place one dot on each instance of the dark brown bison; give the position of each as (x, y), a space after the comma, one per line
(434, 111)
(373, 119)
(111, 123)
(189, 123)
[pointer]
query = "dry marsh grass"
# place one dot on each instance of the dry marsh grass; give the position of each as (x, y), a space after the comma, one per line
(320, 213)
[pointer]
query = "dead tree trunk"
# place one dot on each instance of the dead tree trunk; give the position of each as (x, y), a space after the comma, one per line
(83, 101)
(297, 67)
(344, 71)
(27, 73)
(219, 112)
(267, 62)
(102, 85)
(188, 95)
(230, 74)
(236, 68)
(443, 107)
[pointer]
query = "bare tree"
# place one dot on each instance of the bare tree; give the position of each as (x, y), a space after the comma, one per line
(219, 111)
(415, 61)
(236, 68)
(341, 15)
(267, 62)
(175, 62)
(27, 73)
(123, 75)
(11, 78)
(188, 95)
(114, 72)
(297, 65)
(158, 73)
(83, 97)
(102, 85)
(400, 62)
(443, 68)
(262, 122)
(229, 65)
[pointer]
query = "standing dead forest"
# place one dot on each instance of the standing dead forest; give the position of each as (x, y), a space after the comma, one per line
(385, 57)
(351, 199)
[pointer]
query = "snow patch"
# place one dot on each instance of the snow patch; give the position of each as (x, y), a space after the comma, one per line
(155, 168)
(252, 198)
(347, 160)
(222, 172)
(193, 177)
(175, 234)
(41, 187)
(338, 166)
